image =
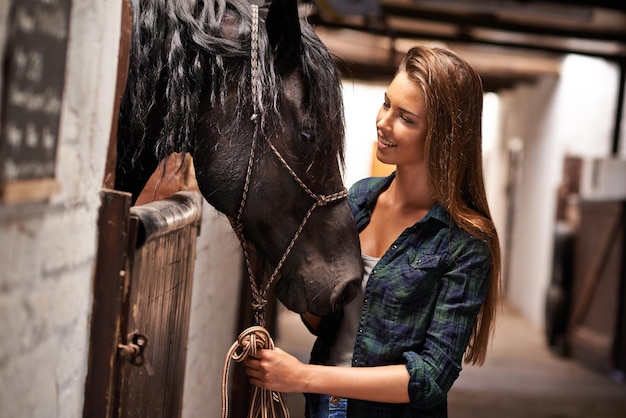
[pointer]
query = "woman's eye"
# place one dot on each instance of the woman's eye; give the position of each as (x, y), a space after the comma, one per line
(386, 105)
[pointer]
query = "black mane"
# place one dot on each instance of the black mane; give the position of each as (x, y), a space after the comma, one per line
(185, 53)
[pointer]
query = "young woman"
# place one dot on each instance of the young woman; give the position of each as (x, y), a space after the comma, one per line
(431, 256)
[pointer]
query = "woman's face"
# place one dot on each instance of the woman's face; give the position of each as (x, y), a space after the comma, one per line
(401, 123)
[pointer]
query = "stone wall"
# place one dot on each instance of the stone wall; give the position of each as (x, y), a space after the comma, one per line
(47, 251)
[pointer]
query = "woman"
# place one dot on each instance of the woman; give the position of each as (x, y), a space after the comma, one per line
(431, 254)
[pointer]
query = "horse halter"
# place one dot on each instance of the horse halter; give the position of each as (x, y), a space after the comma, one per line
(259, 294)
(263, 402)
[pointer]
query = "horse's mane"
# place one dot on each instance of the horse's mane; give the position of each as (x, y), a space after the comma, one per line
(182, 51)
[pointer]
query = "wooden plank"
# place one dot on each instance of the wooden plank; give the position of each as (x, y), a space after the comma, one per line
(594, 275)
(619, 348)
(108, 286)
(122, 77)
(597, 271)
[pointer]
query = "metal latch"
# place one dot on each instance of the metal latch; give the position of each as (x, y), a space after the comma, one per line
(134, 349)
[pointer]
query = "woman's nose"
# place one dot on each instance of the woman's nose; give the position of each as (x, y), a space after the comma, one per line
(382, 120)
(383, 126)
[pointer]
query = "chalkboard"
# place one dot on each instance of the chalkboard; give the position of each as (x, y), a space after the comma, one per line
(33, 71)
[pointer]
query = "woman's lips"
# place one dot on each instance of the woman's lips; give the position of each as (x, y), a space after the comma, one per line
(385, 143)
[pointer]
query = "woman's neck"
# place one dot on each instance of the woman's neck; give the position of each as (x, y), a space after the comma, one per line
(410, 189)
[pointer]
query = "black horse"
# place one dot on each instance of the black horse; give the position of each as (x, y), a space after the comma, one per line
(190, 90)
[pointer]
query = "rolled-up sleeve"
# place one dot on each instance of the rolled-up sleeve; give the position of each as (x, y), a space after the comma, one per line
(461, 290)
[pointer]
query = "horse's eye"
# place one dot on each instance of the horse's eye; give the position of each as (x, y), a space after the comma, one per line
(307, 135)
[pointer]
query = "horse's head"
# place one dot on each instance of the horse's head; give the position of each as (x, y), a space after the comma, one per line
(300, 113)
(207, 81)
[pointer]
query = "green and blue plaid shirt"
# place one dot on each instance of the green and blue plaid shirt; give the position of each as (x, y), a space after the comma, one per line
(420, 305)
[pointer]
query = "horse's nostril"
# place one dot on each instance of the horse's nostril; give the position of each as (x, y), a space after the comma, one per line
(344, 293)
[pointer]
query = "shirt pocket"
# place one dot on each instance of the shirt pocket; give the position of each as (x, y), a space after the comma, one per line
(408, 298)
(416, 280)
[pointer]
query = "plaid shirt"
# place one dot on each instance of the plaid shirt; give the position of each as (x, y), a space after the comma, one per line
(420, 305)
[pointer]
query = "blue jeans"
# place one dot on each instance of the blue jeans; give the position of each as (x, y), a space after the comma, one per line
(324, 406)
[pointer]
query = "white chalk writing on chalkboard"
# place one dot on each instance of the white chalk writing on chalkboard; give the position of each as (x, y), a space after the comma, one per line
(33, 80)
(28, 64)
(33, 137)
(47, 101)
(14, 135)
(36, 168)
(52, 23)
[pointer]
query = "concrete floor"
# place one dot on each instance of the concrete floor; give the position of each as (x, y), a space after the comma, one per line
(521, 378)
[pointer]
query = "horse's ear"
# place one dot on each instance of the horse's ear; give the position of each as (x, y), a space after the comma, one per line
(283, 30)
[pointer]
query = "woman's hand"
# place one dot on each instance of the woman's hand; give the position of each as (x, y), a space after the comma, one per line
(276, 370)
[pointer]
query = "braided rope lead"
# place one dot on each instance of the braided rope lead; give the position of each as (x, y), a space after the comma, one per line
(257, 337)
(264, 401)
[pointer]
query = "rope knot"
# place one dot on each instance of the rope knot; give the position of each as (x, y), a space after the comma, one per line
(251, 340)
(264, 402)
(322, 200)
(259, 305)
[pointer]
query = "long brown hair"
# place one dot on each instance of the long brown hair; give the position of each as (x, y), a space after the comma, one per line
(454, 99)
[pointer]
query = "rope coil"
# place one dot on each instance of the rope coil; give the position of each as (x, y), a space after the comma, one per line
(264, 402)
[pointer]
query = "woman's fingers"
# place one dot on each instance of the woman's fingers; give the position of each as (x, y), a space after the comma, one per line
(271, 369)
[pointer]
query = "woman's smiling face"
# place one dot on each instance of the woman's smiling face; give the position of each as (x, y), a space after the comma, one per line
(401, 123)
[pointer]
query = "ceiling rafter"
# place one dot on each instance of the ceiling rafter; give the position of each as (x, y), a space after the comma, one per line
(493, 21)
(504, 27)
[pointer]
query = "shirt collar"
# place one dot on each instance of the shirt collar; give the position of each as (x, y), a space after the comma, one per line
(437, 212)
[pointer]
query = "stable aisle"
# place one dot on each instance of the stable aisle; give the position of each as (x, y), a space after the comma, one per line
(521, 378)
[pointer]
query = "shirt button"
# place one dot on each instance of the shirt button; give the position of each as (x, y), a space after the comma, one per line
(373, 272)
(334, 400)
(394, 246)
(360, 330)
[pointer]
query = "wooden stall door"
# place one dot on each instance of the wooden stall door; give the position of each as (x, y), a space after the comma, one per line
(159, 303)
(142, 302)
(598, 280)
